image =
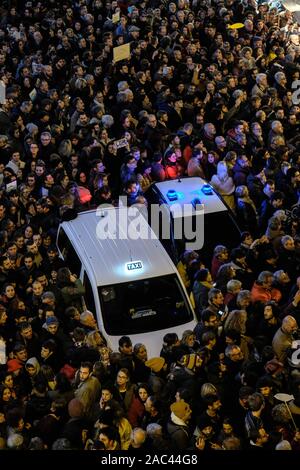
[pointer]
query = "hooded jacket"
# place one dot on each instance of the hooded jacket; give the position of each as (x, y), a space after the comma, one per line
(33, 362)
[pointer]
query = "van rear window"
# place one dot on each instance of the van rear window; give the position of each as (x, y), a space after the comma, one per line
(143, 306)
(219, 228)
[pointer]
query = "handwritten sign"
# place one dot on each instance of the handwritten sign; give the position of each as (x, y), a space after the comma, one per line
(121, 52)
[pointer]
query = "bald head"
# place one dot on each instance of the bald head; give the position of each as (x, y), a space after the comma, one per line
(289, 324)
(138, 437)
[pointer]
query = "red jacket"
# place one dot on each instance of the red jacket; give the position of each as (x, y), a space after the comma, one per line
(261, 294)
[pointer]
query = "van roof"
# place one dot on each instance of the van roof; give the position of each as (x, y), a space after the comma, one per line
(111, 259)
(188, 189)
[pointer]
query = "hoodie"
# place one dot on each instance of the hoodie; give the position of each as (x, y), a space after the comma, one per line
(33, 362)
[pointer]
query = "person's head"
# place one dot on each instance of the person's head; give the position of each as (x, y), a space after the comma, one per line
(32, 366)
(73, 313)
(282, 277)
(138, 437)
(87, 319)
(154, 431)
(215, 297)
(9, 291)
(221, 253)
(36, 443)
(61, 443)
(256, 402)
(208, 389)
(140, 352)
(26, 331)
(231, 443)
(181, 410)
(106, 394)
(264, 386)
(222, 170)
(188, 338)
(212, 403)
(210, 130)
(209, 319)
(8, 380)
(289, 324)
(20, 352)
(37, 288)
(110, 437)
(259, 436)
(227, 427)
(12, 250)
(288, 242)
(52, 325)
(220, 142)
(268, 311)
(63, 276)
(5, 394)
(85, 371)
(152, 405)
(5, 262)
(265, 278)
(48, 348)
(269, 188)
(234, 353)
(276, 199)
(233, 286)
(125, 345)
(122, 378)
(94, 339)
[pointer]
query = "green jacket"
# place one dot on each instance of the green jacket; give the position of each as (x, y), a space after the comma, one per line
(72, 295)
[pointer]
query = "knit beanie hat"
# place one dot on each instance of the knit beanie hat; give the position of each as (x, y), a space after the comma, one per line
(180, 409)
(52, 320)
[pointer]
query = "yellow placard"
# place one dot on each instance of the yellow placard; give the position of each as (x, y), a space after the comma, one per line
(121, 52)
(116, 17)
(236, 26)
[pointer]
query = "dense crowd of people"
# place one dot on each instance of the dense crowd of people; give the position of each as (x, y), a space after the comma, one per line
(207, 91)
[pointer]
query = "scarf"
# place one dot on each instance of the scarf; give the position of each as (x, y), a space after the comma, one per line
(177, 420)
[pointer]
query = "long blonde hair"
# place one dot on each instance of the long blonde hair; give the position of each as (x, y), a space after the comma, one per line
(236, 320)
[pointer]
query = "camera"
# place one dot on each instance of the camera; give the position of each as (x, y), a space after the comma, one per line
(121, 143)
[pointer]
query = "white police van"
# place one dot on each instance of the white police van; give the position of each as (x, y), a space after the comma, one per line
(207, 211)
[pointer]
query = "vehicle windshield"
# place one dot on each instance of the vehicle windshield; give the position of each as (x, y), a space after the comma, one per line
(142, 306)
